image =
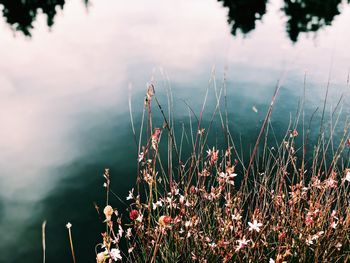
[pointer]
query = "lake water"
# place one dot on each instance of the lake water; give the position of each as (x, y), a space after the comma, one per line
(64, 94)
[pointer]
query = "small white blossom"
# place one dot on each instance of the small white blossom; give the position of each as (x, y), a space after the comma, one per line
(188, 224)
(347, 176)
(131, 195)
(140, 158)
(139, 218)
(128, 233)
(115, 254)
(69, 225)
(212, 245)
(157, 204)
(334, 225)
(338, 246)
(254, 226)
(271, 260)
(236, 217)
(242, 243)
(120, 231)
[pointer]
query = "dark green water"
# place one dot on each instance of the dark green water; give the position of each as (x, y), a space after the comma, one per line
(64, 94)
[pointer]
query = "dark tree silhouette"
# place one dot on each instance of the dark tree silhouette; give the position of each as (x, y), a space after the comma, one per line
(303, 15)
(20, 14)
(309, 15)
(243, 14)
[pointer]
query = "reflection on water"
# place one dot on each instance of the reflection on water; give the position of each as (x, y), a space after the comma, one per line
(64, 99)
(243, 14)
(20, 14)
(309, 15)
(303, 15)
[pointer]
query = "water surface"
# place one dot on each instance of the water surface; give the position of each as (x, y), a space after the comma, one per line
(64, 86)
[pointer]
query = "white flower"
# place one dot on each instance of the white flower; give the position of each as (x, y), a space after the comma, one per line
(188, 224)
(115, 254)
(157, 204)
(139, 218)
(309, 242)
(105, 185)
(69, 225)
(228, 177)
(131, 195)
(130, 249)
(334, 225)
(236, 217)
(120, 231)
(254, 226)
(271, 260)
(242, 243)
(128, 233)
(209, 152)
(181, 199)
(347, 177)
(141, 155)
(338, 245)
(212, 245)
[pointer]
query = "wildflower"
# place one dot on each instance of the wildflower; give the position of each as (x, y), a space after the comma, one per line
(331, 183)
(309, 220)
(108, 211)
(338, 246)
(242, 243)
(236, 217)
(120, 231)
(228, 177)
(133, 214)
(140, 157)
(309, 242)
(188, 224)
(294, 133)
(115, 254)
(201, 131)
(212, 245)
(155, 138)
(347, 175)
(334, 225)
(130, 249)
(271, 260)
(128, 233)
(181, 199)
(105, 185)
(213, 155)
(102, 256)
(139, 218)
(164, 220)
(68, 225)
(131, 195)
(254, 226)
(157, 204)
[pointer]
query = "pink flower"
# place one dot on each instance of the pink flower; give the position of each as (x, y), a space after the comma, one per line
(133, 214)
(164, 220)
